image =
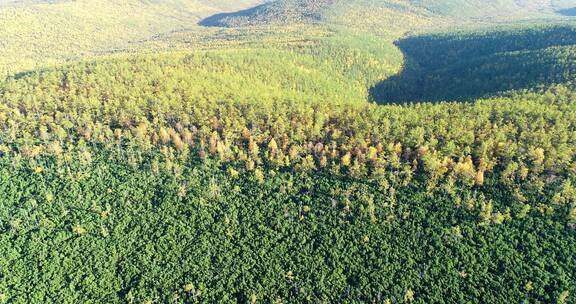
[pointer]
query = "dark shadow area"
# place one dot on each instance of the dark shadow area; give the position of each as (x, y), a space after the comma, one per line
(466, 66)
(275, 12)
(225, 19)
(24, 74)
(570, 12)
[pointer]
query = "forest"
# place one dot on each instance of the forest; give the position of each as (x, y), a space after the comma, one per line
(289, 151)
(478, 63)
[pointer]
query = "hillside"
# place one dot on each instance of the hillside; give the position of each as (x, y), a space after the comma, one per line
(40, 33)
(290, 11)
(143, 182)
(470, 64)
(340, 65)
(491, 9)
(275, 12)
(289, 151)
(60, 31)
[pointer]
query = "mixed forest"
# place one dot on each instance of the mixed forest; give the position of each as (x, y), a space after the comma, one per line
(288, 151)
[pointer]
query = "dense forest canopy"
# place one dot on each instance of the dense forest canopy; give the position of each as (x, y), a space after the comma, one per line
(38, 32)
(479, 63)
(290, 11)
(293, 151)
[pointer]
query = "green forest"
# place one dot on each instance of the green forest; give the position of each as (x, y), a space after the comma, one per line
(287, 151)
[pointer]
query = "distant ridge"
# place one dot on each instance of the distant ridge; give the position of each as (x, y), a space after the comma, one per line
(277, 12)
(303, 11)
(571, 12)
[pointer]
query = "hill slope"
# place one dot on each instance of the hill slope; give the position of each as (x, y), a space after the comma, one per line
(159, 178)
(475, 63)
(47, 32)
(276, 12)
(290, 11)
(246, 165)
(39, 33)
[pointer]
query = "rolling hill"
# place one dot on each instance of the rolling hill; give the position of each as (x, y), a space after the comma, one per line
(275, 12)
(287, 152)
(39, 33)
(290, 11)
(44, 33)
(477, 63)
(145, 178)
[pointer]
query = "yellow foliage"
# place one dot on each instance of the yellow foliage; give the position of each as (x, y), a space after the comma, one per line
(563, 297)
(259, 175)
(409, 296)
(572, 215)
(272, 147)
(188, 287)
(346, 159)
(163, 136)
(372, 153)
(249, 165)
(232, 172)
(77, 229)
(479, 180)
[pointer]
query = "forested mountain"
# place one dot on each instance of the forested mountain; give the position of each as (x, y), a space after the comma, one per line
(275, 12)
(290, 11)
(467, 65)
(118, 155)
(491, 8)
(289, 151)
(40, 32)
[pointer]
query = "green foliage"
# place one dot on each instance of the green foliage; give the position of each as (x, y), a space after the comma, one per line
(199, 103)
(117, 232)
(349, 12)
(472, 64)
(247, 165)
(275, 12)
(487, 8)
(351, 61)
(44, 33)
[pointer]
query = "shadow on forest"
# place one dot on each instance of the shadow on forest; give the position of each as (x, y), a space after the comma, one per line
(220, 20)
(25, 74)
(463, 67)
(570, 12)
